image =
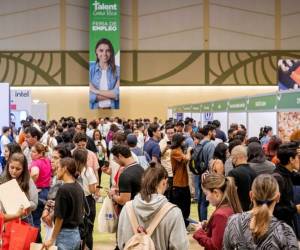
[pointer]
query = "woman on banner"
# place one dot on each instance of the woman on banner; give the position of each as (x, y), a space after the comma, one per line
(104, 77)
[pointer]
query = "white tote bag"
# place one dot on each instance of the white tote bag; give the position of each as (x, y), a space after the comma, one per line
(107, 218)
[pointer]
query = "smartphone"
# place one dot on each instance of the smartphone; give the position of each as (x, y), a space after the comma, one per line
(193, 221)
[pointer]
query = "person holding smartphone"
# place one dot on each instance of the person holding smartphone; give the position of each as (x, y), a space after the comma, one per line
(165, 148)
(101, 151)
(221, 193)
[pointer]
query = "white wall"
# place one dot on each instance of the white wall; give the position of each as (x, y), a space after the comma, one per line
(261, 119)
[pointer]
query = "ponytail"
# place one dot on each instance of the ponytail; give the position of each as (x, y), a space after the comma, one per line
(227, 186)
(260, 220)
(264, 190)
(41, 148)
(150, 180)
(230, 195)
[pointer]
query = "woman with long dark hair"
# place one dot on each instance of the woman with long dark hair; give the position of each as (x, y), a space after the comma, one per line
(216, 164)
(104, 77)
(69, 208)
(17, 168)
(257, 159)
(181, 195)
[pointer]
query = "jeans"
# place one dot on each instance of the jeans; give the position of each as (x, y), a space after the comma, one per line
(202, 204)
(197, 186)
(68, 239)
(37, 214)
(297, 216)
(28, 219)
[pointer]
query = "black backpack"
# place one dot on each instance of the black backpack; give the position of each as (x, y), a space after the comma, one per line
(197, 164)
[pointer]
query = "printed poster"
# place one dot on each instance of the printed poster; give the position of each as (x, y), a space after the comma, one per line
(104, 54)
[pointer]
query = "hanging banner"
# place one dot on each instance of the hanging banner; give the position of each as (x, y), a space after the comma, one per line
(289, 74)
(4, 105)
(104, 56)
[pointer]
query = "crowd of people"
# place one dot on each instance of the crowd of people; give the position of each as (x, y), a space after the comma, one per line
(250, 186)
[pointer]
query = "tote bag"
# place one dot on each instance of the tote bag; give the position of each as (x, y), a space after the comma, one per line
(107, 218)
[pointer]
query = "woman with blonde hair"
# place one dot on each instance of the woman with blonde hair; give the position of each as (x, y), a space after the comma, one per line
(221, 193)
(258, 228)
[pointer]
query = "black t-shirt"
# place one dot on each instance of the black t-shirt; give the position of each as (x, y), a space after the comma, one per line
(69, 205)
(130, 179)
(243, 176)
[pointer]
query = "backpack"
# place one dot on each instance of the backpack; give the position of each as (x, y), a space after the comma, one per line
(197, 164)
(141, 240)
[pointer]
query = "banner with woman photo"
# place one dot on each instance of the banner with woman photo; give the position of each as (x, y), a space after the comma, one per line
(104, 54)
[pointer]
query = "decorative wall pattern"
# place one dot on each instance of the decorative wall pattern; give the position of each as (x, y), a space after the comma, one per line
(140, 68)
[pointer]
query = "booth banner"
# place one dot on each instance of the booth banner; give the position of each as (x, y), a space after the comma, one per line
(289, 100)
(196, 108)
(263, 103)
(20, 100)
(206, 107)
(238, 105)
(288, 74)
(104, 54)
(219, 106)
(187, 108)
(288, 122)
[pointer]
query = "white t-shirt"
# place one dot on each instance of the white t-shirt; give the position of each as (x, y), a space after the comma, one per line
(4, 142)
(88, 178)
(140, 140)
(104, 86)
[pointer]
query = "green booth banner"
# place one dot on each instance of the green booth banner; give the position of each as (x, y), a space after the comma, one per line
(219, 106)
(206, 107)
(104, 54)
(263, 103)
(289, 100)
(196, 108)
(238, 105)
(187, 108)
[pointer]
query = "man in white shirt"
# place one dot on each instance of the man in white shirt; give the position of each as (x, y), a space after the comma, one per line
(104, 126)
(139, 132)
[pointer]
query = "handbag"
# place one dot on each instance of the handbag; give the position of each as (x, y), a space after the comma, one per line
(107, 218)
(18, 235)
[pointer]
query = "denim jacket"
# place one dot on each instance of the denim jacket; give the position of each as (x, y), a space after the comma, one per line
(95, 76)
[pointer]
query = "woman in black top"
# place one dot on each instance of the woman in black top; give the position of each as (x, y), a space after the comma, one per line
(69, 208)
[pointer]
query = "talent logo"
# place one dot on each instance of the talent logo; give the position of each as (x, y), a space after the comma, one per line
(102, 6)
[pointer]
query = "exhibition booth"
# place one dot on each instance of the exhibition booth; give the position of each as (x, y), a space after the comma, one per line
(280, 110)
(16, 104)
